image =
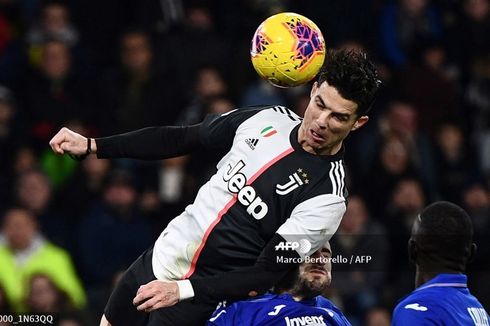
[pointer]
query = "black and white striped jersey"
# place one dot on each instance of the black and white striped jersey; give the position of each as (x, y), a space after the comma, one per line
(265, 184)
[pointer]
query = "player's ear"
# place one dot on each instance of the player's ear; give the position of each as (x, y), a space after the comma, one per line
(313, 89)
(472, 253)
(360, 122)
(412, 251)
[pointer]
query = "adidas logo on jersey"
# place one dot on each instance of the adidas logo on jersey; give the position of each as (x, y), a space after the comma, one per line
(246, 195)
(252, 142)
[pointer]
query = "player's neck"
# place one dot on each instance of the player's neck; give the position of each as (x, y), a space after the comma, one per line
(424, 276)
(298, 296)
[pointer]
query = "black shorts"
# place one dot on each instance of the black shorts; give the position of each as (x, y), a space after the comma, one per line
(120, 310)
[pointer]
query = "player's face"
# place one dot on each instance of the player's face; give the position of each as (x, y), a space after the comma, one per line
(328, 120)
(315, 277)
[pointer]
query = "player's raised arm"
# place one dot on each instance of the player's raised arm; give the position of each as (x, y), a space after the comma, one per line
(147, 144)
(70, 142)
(154, 143)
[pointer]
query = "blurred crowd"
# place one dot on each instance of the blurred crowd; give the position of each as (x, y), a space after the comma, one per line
(68, 228)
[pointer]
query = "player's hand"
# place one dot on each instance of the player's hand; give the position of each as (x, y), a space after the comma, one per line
(68, 141)
(155, 295)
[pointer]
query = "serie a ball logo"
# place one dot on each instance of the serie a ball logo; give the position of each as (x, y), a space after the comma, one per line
(287, 50)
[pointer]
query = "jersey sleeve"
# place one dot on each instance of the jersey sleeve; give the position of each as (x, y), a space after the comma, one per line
(150, 143)
(313, 222)
(218, 130)
(247, 282)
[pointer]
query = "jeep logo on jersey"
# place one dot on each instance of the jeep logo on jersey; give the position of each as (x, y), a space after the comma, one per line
(246, 194)
(296, 179)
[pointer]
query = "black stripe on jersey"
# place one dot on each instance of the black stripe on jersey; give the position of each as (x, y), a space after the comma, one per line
(279, 109)
(286, 111)
(337, 175)
(342, 178)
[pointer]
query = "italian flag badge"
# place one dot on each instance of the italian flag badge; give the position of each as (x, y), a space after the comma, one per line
(268, 131)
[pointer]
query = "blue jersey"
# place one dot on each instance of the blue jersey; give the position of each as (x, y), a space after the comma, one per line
(283, 310)
(444, 300)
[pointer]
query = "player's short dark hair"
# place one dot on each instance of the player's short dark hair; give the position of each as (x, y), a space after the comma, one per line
(353, 75)
(445, 234)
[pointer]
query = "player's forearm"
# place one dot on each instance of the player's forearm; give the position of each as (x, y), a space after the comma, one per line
(150, 143)
(237, 285)
(249, 281)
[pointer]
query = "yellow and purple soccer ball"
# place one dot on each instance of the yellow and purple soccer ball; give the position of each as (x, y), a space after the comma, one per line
(287, 49)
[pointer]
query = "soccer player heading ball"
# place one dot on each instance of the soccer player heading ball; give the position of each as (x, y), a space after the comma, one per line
(281, 182)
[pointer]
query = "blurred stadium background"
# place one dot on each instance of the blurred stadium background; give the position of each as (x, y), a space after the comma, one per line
(104, 67)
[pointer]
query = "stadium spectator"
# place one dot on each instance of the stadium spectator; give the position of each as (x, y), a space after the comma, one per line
(477, 104)
(457, 165)
(45, 297)
(468, 39)
(400, 120)
(406, 201)
(197, 34)
(113, 233)
(403, 24)
(296, 299)
(436, 97)
(10, 135)
(54, 24)
(136, 94)
(33, 191)
(359, 235)
(76, 197)
(54, 93)
(24, 252)
(477, 204)
(440, 246)
(392, 163)
(110, 236)
(209, 85)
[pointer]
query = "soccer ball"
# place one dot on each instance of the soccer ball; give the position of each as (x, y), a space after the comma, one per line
(287, 50)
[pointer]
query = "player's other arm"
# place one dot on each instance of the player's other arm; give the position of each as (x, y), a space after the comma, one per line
(235, 285)
(314, 220)
(311, 224)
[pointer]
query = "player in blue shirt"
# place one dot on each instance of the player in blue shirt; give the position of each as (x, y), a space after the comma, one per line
(440, 246)
(296, 299)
